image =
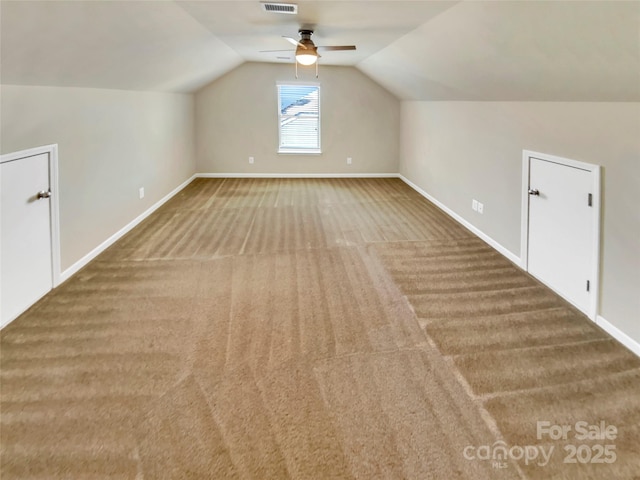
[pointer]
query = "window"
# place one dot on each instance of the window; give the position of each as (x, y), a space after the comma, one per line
(299, 118)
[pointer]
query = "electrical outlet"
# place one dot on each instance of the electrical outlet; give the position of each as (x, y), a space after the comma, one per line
(141, 193)
(474, 205)
(480, 208)
(251, 159)
(349, 159)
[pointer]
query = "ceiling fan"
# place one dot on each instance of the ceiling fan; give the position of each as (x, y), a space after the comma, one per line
(307, 51)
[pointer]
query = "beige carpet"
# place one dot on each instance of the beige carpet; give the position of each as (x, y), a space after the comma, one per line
(305, 329)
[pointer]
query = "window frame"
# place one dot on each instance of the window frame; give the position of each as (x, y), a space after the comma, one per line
(299, 150)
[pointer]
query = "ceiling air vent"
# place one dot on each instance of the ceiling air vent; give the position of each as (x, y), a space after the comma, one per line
(289, 8)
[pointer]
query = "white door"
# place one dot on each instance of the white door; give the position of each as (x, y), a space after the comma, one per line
(26, 269)
(563, 221)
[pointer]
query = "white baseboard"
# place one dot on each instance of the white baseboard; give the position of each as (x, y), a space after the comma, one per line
(116, 236)
(486, 238)
(619, 335)
(296, 175)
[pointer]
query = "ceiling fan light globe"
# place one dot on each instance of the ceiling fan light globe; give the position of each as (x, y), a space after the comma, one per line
(306, 58)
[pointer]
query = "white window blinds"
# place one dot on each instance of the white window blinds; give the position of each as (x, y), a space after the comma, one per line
(299, 118)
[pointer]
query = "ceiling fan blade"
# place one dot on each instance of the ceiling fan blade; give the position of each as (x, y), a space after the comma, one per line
(273, 51)
(294, 42)
(337, 47)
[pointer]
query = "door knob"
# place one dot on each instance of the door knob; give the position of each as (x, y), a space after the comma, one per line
(533, 191)
(43, 194)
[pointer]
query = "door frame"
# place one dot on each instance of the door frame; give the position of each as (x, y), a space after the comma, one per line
(527, 155)
(54, 206)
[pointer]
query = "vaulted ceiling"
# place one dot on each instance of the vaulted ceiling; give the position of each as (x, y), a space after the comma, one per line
(422, 50)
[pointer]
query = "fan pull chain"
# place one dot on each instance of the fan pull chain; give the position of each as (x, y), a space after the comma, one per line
(296, 62)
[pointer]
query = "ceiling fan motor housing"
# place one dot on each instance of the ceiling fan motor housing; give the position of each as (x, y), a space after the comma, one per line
(306, 48)
(305, 39)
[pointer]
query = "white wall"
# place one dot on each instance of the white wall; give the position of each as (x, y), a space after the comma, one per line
(457, 151)
(236, 117)
(111, 142)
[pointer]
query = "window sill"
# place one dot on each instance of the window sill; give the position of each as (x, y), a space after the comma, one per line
(292, 151)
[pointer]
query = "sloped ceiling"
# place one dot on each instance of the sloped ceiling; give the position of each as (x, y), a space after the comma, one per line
(518, 50)
(127, 45)
(420, 50)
